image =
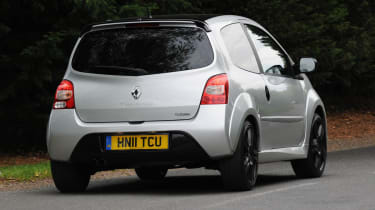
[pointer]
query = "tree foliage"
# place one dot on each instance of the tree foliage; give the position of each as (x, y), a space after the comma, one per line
(36, 39)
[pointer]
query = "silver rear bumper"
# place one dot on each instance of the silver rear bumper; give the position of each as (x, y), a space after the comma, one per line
(65, 130)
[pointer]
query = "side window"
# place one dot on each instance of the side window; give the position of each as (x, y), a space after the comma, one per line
(239, 47)
(273, 59)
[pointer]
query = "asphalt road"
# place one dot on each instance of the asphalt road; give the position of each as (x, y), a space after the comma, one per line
(348, 183)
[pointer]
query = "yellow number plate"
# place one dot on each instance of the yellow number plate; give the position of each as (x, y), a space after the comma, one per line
(137, 142)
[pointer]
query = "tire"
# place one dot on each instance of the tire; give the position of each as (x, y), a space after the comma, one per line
(69, 178)
(313, 166)
(151, 173)
(241, 170)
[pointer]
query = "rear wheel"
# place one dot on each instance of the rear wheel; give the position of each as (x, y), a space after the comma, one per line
(151, 173)
(69, 178)
(313, 166)
(241, 170)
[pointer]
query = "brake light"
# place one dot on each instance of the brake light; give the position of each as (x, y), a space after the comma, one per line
(64, 97)
(216, 90)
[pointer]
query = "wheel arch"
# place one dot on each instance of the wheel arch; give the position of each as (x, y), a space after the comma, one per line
(244, 109)
(314, 104)
(254, 122)
(321, 112)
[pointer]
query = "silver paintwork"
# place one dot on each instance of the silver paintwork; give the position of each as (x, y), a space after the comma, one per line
(66, 129)
(307, 64)
(284, 122)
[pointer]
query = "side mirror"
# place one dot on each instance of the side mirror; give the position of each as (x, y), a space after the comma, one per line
(307, 65)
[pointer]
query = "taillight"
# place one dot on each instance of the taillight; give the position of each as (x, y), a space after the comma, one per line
(216, 90)
(64, 97)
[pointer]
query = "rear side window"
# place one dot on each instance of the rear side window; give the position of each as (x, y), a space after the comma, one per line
(143, 51)
(239, 47)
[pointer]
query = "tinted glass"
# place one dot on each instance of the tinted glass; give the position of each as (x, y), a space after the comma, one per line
(143, 51)
(239, 47)
(272, 58)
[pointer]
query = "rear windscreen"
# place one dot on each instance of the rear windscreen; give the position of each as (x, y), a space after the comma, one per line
(143, 51)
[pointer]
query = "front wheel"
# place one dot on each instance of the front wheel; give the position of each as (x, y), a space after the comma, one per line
(69, 178)
(241, 170)
(313, 166)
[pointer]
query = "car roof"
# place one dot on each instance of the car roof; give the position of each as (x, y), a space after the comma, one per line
(199, 19)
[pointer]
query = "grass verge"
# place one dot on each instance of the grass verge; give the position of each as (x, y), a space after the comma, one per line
(27, 172)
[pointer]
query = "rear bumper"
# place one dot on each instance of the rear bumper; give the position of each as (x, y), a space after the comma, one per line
(207, 130)
(183, 151)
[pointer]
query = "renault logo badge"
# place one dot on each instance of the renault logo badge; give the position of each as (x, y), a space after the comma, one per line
(136, 92)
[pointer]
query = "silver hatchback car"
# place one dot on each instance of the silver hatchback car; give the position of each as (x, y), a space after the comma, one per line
(184, 91)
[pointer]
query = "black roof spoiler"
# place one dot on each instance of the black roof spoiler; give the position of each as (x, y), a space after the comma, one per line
(199, 21)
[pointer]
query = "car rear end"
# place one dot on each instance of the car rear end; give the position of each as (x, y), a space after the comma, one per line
(141, 93)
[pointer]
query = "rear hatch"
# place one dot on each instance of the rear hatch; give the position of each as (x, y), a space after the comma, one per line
(140, 73)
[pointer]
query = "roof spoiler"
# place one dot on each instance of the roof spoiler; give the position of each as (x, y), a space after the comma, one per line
(198, 23)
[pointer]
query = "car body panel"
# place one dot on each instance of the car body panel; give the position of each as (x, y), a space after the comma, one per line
(66, 130)
(283, 115)
(106, 98)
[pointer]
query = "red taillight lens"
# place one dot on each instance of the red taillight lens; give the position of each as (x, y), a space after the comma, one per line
(216, 90)
(64, 97)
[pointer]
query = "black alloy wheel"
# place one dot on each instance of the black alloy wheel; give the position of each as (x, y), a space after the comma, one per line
(313, 166)
(241, 170)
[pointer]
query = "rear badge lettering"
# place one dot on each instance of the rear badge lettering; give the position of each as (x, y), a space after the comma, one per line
(181, 114)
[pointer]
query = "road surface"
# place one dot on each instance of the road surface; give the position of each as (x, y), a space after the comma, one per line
(348, 183)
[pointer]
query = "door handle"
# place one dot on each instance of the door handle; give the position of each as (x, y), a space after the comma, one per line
(268, 96)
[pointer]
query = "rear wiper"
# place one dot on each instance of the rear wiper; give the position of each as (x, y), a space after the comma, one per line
(117, 70)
